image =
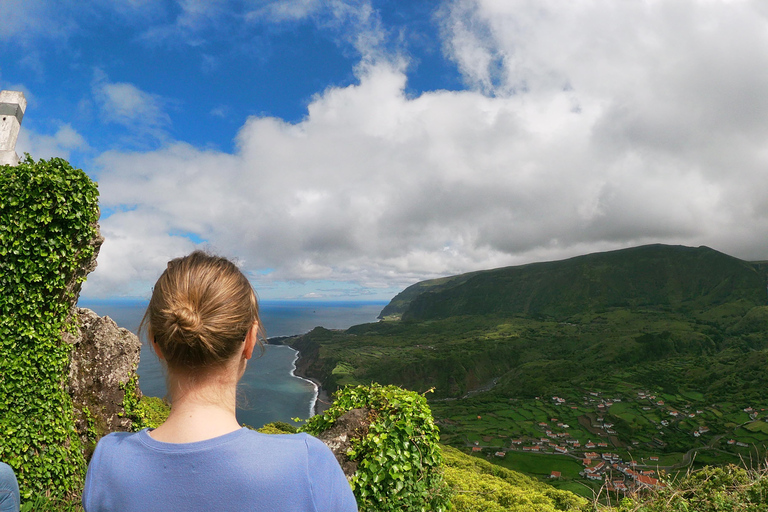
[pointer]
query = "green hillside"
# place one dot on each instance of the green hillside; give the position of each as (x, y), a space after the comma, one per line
(656, 276)
(394, 310)
(601, 333)
(532, 328)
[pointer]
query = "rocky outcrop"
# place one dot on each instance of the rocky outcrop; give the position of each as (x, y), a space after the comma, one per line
(351, 425)
(104, 359)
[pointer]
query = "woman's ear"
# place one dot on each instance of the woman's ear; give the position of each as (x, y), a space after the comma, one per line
(250, 340)
(156, 349)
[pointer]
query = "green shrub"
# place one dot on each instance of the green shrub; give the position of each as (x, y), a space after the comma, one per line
(151, 412)
(479, 486)
(48, 215)
(277, 427)
(399, 458)
(710, 489)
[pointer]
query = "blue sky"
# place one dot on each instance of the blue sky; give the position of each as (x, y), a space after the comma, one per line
(346, 149)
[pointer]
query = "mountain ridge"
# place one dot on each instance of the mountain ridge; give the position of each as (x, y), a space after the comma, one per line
(657, 275)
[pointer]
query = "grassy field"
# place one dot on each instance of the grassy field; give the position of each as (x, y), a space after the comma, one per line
(492, 422)
(539, 465)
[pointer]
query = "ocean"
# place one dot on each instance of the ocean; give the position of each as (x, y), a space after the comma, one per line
(268, 390)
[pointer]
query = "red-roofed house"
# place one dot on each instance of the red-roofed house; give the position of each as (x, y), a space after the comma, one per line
(647, 481)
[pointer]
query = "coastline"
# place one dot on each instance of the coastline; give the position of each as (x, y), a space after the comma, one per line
(320, 401)
(323, 401)
(292, 373)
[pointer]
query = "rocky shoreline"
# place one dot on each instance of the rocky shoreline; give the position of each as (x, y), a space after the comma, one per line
(323, 400)
(301, 365)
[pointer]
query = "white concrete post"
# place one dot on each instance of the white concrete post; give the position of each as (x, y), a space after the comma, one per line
(12, 107)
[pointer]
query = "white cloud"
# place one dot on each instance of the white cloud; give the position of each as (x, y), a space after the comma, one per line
(589, 126)
(60, 144)
(222, 111)
(191, 19)
(24, 20)
(135, 251)
(126, 104)
(142, 113)
(285, 10)
(354, 22)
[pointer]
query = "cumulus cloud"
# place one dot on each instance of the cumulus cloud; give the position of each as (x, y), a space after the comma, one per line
(127, 105)
(586, 126)
(61, 144)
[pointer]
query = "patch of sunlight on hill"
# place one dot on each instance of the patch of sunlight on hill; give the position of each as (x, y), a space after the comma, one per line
(480, 486)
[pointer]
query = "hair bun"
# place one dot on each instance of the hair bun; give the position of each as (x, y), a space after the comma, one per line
(201, 311)
(187, 319)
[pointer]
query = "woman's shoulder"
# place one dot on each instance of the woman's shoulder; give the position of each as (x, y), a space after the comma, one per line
(116, 442)
(119, 438)
(298, 440)
(310, 446)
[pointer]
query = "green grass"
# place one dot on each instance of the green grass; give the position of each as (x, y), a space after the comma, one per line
(539, 464)
(757, 426)
(693, 395)
(579, 488)
(44, 504)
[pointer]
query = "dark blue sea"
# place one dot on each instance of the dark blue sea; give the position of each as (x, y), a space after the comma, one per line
(268, 391)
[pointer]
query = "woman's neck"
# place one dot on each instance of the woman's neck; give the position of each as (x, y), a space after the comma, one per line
(202, 407)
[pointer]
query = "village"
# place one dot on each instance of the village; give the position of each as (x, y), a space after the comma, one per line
(594, 442)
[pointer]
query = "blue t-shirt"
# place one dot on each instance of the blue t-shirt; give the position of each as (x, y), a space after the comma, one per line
(239, 471)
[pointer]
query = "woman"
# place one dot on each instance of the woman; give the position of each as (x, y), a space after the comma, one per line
(203, 322)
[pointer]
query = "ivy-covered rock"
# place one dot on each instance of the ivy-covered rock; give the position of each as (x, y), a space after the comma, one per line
(399, 462)
(48, 243)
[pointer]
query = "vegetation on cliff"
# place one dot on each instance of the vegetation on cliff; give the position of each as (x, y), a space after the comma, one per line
(48, 215)
(479, 486)
(396, 451)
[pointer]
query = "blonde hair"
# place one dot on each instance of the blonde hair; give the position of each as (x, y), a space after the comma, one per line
(201, 310)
